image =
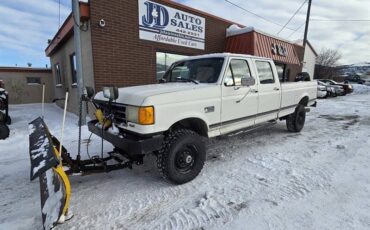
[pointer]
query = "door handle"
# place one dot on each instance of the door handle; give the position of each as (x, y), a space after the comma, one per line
(254, 91)
(276, 89)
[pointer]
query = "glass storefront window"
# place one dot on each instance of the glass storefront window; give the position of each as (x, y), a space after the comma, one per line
(281, 72)
(164, 61)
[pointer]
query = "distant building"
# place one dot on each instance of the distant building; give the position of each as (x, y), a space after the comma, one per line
(249, 40)
(309, 57)
(25, 84)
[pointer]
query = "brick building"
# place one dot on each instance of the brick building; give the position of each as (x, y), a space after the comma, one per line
(133, 42)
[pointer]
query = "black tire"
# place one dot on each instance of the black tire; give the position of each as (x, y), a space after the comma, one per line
(295, 121)
(4, 131)
(8, 120)
(2, 117)
(182, 156)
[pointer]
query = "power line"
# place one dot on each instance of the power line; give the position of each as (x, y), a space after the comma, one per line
(290, 19)
(341, 20)
(259, 16)
(296, 30)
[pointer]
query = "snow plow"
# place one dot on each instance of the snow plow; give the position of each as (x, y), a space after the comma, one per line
(5, 119)
(52, 164)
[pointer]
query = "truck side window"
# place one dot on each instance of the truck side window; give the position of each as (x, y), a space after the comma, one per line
(265, 73)
(236, 71)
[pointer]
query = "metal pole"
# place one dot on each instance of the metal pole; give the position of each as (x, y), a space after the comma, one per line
(43, 101)
(63, 124)
(78, 53)
(307, 24)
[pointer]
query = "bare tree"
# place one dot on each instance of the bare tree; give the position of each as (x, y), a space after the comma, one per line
(326, 63)
(328, 57)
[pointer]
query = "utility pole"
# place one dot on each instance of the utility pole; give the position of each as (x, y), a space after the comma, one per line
(78, 53)
(307, 24)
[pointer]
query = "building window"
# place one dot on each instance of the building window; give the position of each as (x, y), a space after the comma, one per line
(265, 73)
(73, 63)
(164, 61)
(58, 77)
(33, 81)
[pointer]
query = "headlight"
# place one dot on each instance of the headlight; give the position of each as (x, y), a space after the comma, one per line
(140, 115)
(132, 114)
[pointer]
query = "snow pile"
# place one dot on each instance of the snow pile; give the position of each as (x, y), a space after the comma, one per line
(3, 93)
(236, 30)
(361, 89)
(363, 64)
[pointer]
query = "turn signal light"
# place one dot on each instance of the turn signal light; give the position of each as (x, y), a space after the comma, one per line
(146, 115)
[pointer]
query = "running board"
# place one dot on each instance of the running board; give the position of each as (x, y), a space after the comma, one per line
(252, 128)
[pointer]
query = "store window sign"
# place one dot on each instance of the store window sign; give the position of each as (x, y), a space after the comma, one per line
(163, 24)
(279, 50)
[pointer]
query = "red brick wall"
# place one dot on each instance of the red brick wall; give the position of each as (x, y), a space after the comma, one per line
(121, 58)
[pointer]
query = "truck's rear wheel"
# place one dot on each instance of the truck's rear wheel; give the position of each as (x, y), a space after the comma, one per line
(4, 131)
(295, 121)
(182, 156)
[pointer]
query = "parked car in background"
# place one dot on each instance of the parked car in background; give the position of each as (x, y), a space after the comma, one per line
(333, 90)
(322, 91)
(348, 88)
(355, 79)
(366, 80)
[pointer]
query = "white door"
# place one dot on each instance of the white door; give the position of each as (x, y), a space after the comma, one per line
(239, 103)
(269, 92)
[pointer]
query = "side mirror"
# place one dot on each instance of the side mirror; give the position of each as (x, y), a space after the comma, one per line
(110, 93)
(248, 81)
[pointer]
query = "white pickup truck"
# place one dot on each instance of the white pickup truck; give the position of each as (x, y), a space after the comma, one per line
(202, 96)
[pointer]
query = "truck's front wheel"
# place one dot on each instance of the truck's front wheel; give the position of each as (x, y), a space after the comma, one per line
(182, 156)
(296, 120)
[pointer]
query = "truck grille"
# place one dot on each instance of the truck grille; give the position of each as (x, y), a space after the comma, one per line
(118, 111)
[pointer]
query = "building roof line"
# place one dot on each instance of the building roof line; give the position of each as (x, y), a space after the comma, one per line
(63, 32)
(313, 49)
(23, 69)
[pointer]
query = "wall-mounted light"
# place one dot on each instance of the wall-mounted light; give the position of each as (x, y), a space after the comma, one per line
(102, 23)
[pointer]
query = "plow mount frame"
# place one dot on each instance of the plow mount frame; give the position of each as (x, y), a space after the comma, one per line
(95, 164)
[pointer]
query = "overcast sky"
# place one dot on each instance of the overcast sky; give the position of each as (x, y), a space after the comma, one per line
(26, 25)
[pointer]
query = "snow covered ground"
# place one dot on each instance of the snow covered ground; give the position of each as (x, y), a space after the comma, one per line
(267, 179)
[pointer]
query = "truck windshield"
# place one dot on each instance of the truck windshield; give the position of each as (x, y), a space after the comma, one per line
(205, 70)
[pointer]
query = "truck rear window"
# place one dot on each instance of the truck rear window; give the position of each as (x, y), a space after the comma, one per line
(265, 73)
